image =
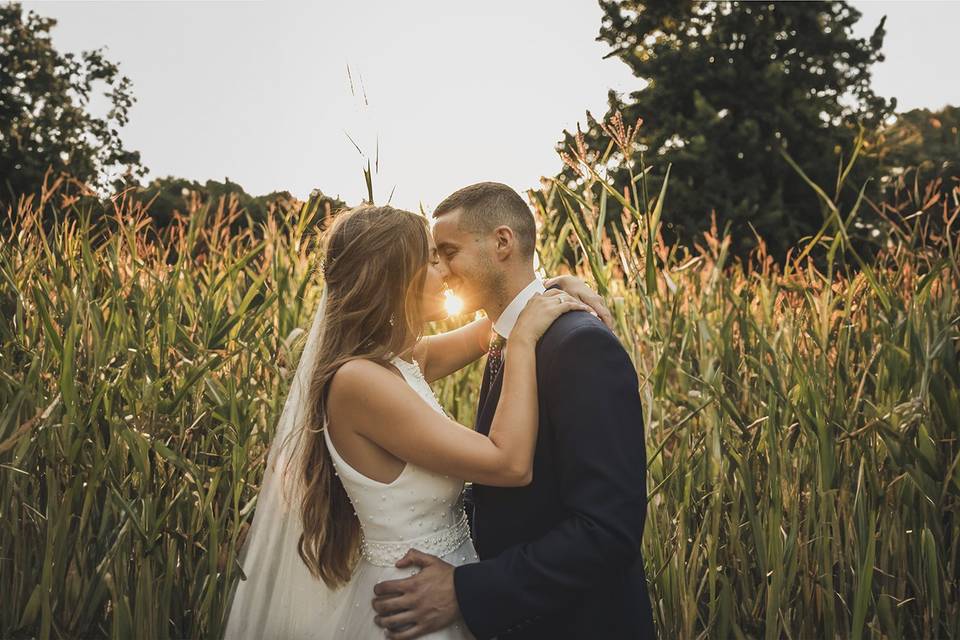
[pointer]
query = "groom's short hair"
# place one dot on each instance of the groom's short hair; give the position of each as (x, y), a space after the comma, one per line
(487, 205)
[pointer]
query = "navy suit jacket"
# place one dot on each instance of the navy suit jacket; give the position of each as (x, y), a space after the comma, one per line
(560, 557)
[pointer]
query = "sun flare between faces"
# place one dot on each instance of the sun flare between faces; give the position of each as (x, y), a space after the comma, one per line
(452, 304)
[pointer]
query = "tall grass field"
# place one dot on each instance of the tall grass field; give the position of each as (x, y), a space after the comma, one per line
(802, 417)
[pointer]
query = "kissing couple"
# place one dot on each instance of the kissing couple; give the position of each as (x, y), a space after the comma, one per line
(363, 528)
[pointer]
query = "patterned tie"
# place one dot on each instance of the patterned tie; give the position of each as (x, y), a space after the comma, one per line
(495, 355)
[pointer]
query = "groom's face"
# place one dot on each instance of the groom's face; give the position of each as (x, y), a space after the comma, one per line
(467, 259)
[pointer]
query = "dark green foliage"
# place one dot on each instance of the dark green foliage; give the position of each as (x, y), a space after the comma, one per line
(45, 121)
(169, 197)
(721, 87)
(923, 146)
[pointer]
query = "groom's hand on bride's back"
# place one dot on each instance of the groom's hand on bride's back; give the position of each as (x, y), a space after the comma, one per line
(420, 604)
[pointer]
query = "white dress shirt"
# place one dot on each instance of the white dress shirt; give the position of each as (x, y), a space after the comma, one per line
(505, 323)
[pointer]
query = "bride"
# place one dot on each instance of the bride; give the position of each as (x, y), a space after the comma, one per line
(365, 464)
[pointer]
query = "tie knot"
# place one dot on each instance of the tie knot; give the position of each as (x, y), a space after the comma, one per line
(497, 342)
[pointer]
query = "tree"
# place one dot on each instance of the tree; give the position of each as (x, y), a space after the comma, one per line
(925, 141)
(723, 86)
(171, 195)
(45, 119)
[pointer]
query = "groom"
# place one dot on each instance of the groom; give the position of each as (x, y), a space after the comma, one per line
(560, 557)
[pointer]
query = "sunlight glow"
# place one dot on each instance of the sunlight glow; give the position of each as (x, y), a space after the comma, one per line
(452, 304)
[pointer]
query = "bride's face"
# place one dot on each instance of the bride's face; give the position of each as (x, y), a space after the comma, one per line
(433, 287)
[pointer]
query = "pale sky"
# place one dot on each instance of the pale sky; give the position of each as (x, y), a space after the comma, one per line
(455, 92)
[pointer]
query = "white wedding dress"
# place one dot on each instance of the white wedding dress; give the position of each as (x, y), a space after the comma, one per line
(420, 509)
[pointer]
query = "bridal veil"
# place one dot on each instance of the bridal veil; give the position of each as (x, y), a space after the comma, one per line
(279, 596)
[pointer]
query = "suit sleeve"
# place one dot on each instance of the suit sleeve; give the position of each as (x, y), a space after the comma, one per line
(592, 401)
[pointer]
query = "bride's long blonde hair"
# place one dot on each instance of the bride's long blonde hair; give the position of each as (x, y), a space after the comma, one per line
(374, 266)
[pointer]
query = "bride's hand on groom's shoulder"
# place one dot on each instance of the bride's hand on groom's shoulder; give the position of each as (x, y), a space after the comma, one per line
(582, 292)
(540, 312)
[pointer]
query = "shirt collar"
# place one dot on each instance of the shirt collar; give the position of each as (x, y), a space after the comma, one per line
(504, 324)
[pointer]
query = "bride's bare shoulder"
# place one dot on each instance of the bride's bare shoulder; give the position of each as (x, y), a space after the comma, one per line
(367, 395)
(357, 378)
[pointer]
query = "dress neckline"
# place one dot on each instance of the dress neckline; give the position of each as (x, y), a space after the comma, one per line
(412, 362)
(411, 367)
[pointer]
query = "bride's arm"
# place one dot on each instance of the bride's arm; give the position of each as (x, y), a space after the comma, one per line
(445, 353)
(380, 406)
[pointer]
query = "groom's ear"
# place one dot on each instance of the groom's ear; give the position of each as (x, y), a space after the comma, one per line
(506, 241)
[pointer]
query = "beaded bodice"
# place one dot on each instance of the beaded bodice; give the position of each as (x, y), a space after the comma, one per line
(419, 509)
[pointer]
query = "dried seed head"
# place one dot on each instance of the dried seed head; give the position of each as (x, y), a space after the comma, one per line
(573, 164)
(623, 137)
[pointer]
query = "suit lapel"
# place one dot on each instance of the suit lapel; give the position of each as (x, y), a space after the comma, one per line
(490, 393)
(484, 390)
